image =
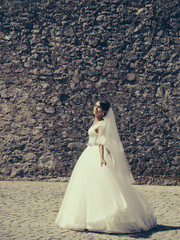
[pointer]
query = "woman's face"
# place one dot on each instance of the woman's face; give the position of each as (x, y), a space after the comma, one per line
(98, 111)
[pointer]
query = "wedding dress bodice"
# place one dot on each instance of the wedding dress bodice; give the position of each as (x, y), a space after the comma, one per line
(93, 135)
(96, 137)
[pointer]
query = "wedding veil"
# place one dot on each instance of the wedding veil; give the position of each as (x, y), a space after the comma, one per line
(115, 148)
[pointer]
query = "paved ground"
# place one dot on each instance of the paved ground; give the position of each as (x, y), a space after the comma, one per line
(28, 211)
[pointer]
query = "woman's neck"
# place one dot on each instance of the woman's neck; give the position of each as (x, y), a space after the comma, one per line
(96, 119)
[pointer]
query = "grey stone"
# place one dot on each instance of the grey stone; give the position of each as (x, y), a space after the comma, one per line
(131, 56)
(2, 34)
(50, 110)
(46, 161)
(30, 157)
(45, 71)
(69, 31)
(93, 42)
(101, 18)
(76, 77)
(101, 82)
(131, 77)
(111, 63)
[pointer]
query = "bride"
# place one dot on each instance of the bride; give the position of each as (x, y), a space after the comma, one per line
(100, 196)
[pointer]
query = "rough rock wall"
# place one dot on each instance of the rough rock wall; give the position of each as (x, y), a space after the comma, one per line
(59, 56)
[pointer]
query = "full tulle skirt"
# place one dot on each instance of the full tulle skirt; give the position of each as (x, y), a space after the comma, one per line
(97, 200)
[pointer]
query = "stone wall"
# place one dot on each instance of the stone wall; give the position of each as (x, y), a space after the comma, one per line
(59, 56)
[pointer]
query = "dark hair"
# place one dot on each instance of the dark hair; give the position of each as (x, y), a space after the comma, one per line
(105, 105)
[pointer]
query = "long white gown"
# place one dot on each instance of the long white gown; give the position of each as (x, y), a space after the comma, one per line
(98, 200)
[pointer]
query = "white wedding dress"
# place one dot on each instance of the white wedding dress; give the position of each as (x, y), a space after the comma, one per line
(98, 199)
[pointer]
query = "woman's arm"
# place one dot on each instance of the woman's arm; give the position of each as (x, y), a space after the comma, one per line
(101, 146)
(101, 150)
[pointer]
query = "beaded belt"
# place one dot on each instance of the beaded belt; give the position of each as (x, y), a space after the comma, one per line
(92, 144)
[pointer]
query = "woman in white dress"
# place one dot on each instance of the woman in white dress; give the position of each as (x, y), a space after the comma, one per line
(100, 196)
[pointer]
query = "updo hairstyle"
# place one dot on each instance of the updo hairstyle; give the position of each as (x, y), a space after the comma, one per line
(105, 106)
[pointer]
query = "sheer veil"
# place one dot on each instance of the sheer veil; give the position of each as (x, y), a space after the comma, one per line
(115, 148)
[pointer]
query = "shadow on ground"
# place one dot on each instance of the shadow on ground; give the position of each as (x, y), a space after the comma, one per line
(160, 228)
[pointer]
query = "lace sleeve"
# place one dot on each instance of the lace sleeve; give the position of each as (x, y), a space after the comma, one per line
(101, 137)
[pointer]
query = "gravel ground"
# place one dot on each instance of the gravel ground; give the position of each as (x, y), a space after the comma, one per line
(28, 211)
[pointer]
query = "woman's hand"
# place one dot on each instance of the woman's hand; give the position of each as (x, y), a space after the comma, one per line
(103, 162)
(101, 150)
